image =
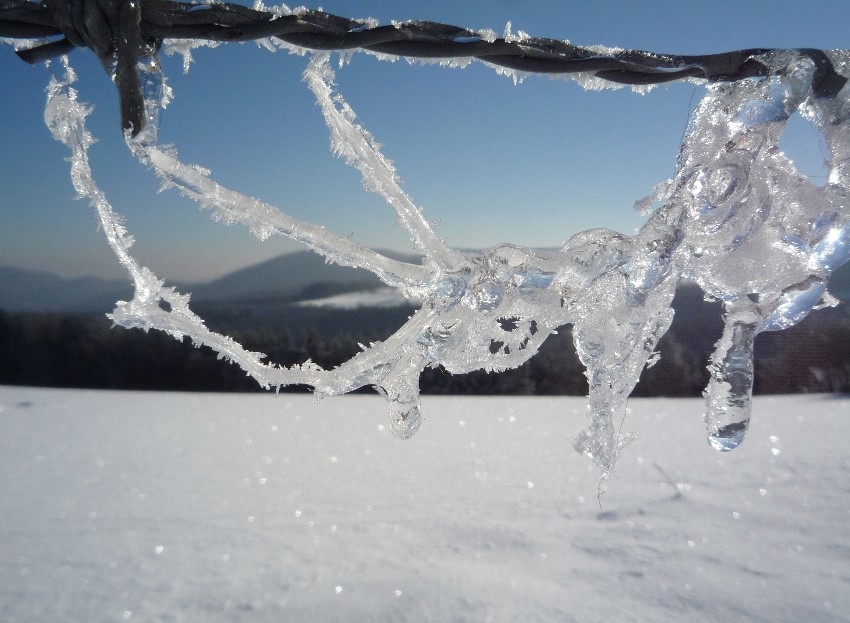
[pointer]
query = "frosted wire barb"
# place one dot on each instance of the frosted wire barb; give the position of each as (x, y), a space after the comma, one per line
(65, 117)
(262, 219)
(359, 149)
(737, 219)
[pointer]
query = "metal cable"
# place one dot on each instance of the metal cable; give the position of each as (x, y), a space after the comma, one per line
(122, 31)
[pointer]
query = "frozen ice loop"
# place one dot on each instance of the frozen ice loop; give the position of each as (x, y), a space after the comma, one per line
(737, 219)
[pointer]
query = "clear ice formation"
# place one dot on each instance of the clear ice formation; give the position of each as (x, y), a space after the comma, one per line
(738, 219)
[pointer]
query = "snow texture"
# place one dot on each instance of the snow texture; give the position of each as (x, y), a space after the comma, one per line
(738, 219)
(185, 508)
(382, 297)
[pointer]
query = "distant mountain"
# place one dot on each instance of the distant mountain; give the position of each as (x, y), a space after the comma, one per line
(285, 279)
(31, 290)
(292, 277)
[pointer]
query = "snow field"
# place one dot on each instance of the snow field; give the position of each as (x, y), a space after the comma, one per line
(194, 507)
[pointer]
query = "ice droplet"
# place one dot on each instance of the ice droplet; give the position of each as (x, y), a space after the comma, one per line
(405, 417)
(402, 391)
(485, 297)
(727, 437)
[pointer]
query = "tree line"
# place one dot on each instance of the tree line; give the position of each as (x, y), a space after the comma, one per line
(85, 351)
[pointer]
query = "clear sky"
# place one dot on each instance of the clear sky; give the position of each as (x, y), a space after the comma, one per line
(489, 161)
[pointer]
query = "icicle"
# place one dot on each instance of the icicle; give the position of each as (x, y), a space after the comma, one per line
(729, 393)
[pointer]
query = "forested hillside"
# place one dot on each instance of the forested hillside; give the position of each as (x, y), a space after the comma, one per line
(83, 350)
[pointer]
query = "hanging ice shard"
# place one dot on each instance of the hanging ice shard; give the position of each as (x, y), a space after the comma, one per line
(401, 388)
(730, 388)
(405, 413)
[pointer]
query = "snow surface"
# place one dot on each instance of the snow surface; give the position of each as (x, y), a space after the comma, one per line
(379, 297)
(197, 507)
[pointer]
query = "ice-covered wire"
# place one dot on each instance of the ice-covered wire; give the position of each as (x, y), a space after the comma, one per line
(738, 219)
(120, 32)
(156, 306)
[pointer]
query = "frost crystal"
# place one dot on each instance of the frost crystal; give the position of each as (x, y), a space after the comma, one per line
(738, 219)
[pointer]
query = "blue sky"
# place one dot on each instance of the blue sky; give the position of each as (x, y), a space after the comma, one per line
(488, 161)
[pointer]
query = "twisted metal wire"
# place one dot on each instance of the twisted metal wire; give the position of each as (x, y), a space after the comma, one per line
(122, 31)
